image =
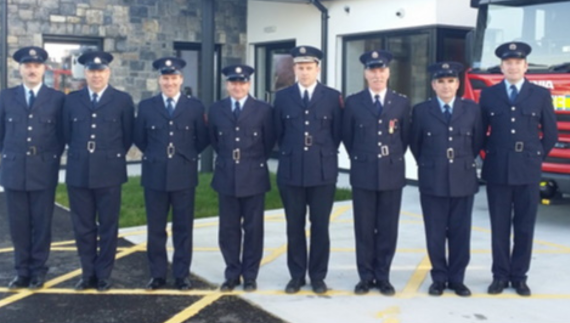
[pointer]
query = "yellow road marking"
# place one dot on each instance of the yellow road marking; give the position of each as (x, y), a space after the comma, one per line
(25, 293)
(389, 315)
(417, 277)
(194, 308)
(339, 211)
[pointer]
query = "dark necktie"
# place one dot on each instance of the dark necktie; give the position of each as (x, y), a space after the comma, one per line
(31, 100)
(378, 104)
(514, 93)
(306, 99)
(237, 109)
(94, 101)
(170, 106)
(447, 112)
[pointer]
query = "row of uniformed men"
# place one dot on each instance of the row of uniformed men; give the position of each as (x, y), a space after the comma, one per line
(308, 124)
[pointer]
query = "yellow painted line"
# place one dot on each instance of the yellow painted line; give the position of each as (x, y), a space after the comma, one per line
(26, 292)
(339, 211)
(389, 315)
(274, 255)
(194, 309)
(417, 278)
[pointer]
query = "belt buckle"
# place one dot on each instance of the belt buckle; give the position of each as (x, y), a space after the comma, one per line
(91, 146)
(170, 150)
(236, 154)
(519, 146)
(450, 153)
(308, 140)
(32, 150)
(385, 150)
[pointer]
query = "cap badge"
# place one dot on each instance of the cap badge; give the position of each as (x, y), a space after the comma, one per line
(238, 70)
(168, 63)
(445, 66)
(302, 50)
(33, 52)
(513, 46)
(374, 54)
(97, 60)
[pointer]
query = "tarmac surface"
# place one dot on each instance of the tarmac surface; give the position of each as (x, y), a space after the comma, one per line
(128, 302)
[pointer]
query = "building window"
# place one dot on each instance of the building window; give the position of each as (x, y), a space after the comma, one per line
(64, 73)
(274, 69)
(413, 49)
(192, 53)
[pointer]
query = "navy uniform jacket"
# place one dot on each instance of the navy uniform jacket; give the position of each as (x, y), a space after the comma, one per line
(376, 153)
(170, 145)
(31, 141)
(446, 153)
(242, 147)
(98, 139)
(514, 149)
(308, 139)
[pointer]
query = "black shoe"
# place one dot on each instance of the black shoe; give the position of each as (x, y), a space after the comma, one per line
(460, 289)
(103, 284)
(521, 288)
(386, 288)
(155, 283)
(497, 286)
(249, 285)
(37, 281)
(319, 286)
(436, 289)
(294, 285)
(229, 285)
(19, 282)
(363, 287)
(183, 283)
(86, 283)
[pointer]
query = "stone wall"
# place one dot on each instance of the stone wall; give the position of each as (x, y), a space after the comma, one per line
(135, 31)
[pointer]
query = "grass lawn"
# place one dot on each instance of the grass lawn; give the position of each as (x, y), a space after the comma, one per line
(133, 212)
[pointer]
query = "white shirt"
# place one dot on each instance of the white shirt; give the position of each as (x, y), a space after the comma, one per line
(99, 94)
(35, 90)
(174, 99)
(241, 102)
(518, 85)
(381, 93)
(309, 89)
(441, 104)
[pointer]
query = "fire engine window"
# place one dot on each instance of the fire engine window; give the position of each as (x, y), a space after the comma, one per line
(63, 72)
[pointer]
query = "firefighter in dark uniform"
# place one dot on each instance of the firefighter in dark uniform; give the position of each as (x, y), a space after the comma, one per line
(308, 128)
(446, 137)
(170, 130)
(241, 132)
(521, 125)
(31, 143)
(375, 133)
(98, 125)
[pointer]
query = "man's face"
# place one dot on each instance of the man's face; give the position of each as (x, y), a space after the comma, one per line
(514, 69)
(170, 84)
(32, 73)
(97, 80)
(307, 73)
(377, 78)
(445, 88)
(238, 89)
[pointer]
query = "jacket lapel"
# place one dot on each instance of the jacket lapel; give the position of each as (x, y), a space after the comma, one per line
(41, 98)
(227, 109)
(318, 93)
(158, 104)
(247, 108)
(435, 110)
(20, 96)
(501, 92)
(526, 91)
(106, 98)
(84, 98)
(458, 109)
(366, 102)
(386, 108)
